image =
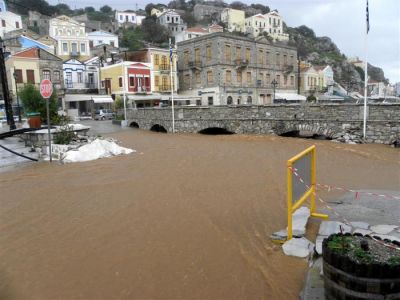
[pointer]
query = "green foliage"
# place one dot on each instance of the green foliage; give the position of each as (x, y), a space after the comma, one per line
(154, 32)
(60, 120)
(362, 256)
(119, 103)
(311, 98)
(189, 19)
(394, 260)
(264, 8)
(64, 136)
(106, 9)
(131, 38)
(32, 101)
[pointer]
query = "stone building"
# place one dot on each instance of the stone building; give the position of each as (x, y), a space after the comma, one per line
(38, 22)
(201, 12)
(226, 69)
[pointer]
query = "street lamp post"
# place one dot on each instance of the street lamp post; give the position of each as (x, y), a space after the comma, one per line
(274, 84)
(16, 92)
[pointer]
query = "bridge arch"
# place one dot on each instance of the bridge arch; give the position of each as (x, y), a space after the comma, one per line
(134, 125)
(158, 128)
(306, 130)
(215, 131)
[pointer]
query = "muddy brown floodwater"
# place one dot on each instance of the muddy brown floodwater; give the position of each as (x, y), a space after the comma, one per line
(186, 217)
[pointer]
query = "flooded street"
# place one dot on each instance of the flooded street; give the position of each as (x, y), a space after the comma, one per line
(186, 217)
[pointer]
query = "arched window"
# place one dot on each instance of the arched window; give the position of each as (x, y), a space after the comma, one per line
(229, 101)
(249, 100)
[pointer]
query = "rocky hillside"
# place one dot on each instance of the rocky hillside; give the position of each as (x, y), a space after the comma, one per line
(322, 51)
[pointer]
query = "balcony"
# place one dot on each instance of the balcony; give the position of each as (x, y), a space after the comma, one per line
(80, 87)
(241, 63)
(164, 68)
(74, 54)
(163, 88)
(195, 65)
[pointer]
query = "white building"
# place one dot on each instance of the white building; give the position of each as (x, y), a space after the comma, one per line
(172, 20)
(71, 37)
(102, 37)
(274, 26)
(234, 19)
(8, 20)
(255, 25)
(128, 17)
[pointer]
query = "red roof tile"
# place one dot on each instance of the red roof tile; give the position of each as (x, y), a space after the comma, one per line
(28, 53)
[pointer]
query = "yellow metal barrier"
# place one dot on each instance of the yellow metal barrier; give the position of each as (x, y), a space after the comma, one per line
(309, 187)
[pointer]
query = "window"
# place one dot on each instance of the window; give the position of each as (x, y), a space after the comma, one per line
(186, 79)
(268, 79)
(284, 59)
(292, 80)
(112, 43)
(121, 17)
(79, 77)
(291, 60)
(208, 53)
(278, 79)
(74, 47)
(100, 42)
(210, 100)
(17, 25)
(3, 23)
(120, 81)
(278, 59)
(186, 57)
(198, 102)
(267, 57)
(198, 77)
(30, 76)
(228, 76)
(260, 57)
(157, 81)
(83, 47)
(248, 77)
(167, 19)
(284, 79)
(210, 78)
(18, 72)
(228, 57)
(156, 59)
(133, 18)
(65, 47)
(248, 54)
(126, 18)
(249, 100)
(197, 55)
(229, 101)
(46, 74)
(239, 76)
(69, 32)
(56, 76)
(238, 53)
(131, 81)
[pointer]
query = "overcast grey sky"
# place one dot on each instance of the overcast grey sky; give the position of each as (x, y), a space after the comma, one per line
(341, 20)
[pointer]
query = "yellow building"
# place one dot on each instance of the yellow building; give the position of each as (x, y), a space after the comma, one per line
(234, 19)
(160, 67)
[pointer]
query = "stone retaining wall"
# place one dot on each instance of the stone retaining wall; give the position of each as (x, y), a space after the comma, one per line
(332, 120)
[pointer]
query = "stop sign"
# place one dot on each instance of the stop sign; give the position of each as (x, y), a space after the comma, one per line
(46, 88)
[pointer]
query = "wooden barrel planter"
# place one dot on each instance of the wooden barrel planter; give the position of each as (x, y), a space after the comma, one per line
(357, 267)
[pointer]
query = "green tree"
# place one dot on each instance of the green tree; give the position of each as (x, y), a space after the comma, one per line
(131, 38)
(154, 32)
(89, 9)
(106, 9)
(32, 101)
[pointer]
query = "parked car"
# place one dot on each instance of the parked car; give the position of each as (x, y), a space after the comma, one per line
(104, 114)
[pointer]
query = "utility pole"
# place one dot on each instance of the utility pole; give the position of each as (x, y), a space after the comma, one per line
(6, 93)
(298, 73)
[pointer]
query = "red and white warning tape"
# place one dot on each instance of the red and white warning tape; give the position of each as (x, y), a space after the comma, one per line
(345, 221)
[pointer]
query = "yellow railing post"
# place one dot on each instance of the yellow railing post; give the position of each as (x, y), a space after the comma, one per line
(309, 194)
(289, 199)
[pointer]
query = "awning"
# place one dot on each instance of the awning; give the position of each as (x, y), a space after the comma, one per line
(290, 96)
(141, 98)
(88, 97)
(77, 97)
(102, 100)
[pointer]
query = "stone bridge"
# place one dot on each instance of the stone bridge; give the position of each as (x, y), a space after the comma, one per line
(330, 120)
